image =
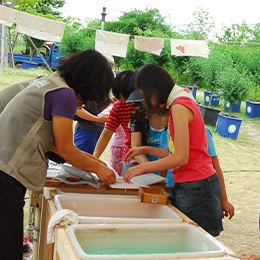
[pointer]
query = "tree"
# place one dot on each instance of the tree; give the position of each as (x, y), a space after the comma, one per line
(148, 23)
(201, 28)
(234, 85)
(246, 59)
(148, 20)
(180, 65)
(238, 32)
(194, 66)
(78, 38)
(43, 7)
(49, 7)
(212, 67)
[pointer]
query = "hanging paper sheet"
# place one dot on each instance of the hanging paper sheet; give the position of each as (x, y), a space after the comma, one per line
(111, 43)
(189, 48)
(7, 15)
(147, 44)
(39, 27)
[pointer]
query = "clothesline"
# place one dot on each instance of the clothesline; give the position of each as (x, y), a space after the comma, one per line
(116, 44)
(132, 36)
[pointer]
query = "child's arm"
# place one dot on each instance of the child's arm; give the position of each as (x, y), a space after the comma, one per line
(251, 257)
(227, 207)
(181, 117)
(136, 141)
(136, 151)
(102, 142)
(84, 114)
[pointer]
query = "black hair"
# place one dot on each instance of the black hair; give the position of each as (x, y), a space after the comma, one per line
(152, 79)
(123, 84)
(89, 74)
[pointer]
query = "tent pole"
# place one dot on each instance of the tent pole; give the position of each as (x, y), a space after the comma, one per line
(37, 51)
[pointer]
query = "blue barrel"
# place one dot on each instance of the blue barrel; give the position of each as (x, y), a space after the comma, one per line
(215, 98)
(235, 107)
(228, 126)
(252, 109)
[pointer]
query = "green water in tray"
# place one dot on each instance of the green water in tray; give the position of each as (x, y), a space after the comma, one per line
(135, 249)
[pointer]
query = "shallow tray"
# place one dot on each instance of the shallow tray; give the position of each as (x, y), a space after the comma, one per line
(131, 241)
(115, 209)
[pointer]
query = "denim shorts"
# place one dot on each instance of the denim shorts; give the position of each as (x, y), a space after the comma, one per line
(201, 202)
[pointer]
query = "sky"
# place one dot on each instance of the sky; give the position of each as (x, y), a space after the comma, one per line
(180, 12)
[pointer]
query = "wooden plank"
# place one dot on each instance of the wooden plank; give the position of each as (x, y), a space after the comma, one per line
(63, 247)
(57, 184)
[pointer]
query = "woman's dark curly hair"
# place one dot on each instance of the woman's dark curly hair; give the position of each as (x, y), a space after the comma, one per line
(89, 74)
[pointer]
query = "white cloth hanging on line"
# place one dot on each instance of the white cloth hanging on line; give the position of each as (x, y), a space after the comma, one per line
(189, 48)
(39, 27)
(148, 44)
(7, 15)
(111, 43)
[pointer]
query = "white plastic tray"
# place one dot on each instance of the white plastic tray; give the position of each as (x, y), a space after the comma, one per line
(131, 241)
(115, 209)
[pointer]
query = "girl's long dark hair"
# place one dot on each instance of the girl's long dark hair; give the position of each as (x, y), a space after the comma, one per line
(152, 79)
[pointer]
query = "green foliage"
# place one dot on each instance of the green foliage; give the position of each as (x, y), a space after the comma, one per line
(234, 85)
(46, 8)
(194, 66)
(78, 38)
(201, 28)
(212, 67)
(247, 60)
(136, 58)
(144, 20)
(238, 32)
(180, 65)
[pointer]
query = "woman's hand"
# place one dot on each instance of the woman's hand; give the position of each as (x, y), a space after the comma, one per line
(105, 175)
(134, 152)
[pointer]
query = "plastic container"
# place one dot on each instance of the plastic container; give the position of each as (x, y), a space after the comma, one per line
(235, 107)
(252, 109)
(116, 209)
(143, 241)
(215, 98)
(228, 126)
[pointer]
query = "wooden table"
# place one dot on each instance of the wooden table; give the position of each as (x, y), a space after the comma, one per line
(62, 248)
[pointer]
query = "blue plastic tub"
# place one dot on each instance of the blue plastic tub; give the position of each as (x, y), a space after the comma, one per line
(252, 109)
(228, 126)
(215, 98)
(235, 107)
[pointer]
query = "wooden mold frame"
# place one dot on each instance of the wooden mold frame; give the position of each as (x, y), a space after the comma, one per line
(153, 195)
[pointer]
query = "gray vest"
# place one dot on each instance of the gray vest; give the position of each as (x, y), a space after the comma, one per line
(25, 136)
(9, 92)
